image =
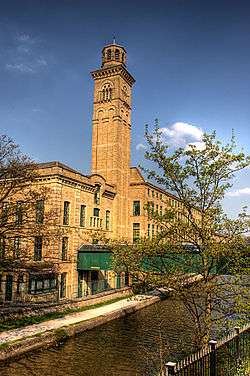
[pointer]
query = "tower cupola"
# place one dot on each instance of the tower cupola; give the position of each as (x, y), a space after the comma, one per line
(113, 54)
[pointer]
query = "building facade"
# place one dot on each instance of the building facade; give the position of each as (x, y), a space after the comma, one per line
(111, 203)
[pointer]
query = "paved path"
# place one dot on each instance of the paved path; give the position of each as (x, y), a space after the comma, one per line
(73, 318)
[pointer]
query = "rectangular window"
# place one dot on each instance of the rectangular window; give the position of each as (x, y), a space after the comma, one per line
(136, 232)
(149, 230)
(153, 194)
(161, 196)
(82, 215)
(39, 284)
(20, 282)
(156, 194)
(63, 285)
(107, 220)
(16, 252)
(96, 212)
(42, 284)
(160, 210)
(66, 212)
(65, 245)
(46, 284)
(97, 194)
(148, 192)
(4, 212)
(136, 208)
(40, 211)
(2, 247)
(157, 207)
(38, 246)
(19, 212)
(148, 209)
(153, 231)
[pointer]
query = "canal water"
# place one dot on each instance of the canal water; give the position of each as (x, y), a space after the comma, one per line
(129, 346)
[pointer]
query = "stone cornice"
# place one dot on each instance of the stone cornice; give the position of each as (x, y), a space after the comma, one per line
(112, 71)
(152, 186)
(70, 182)
(59, 178)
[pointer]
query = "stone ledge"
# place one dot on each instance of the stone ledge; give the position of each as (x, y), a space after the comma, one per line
(17, 313)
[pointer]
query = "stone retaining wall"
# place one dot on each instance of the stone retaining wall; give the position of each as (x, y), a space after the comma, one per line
(17, 313)
(50, 338)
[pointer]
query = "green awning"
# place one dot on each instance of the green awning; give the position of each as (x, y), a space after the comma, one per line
(94, 260)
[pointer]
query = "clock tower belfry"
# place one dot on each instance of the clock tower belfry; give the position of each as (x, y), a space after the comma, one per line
(111, 128)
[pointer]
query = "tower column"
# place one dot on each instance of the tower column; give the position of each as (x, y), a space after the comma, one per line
(111, 129)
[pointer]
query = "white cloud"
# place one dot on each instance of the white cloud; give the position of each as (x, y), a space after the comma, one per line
(140, 147)
(199, 145)
(23, 49)
(19, 67)
(181, 134)
(26, 56)
(23, 66)
(36, 110)
(41, 62)
(239, 192)
(25, 38)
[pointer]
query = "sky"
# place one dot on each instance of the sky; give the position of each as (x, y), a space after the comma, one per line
(190, 59)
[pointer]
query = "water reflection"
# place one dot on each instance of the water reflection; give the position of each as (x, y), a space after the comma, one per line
(126, 347)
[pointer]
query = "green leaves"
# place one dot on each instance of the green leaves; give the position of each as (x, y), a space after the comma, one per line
(199, 178)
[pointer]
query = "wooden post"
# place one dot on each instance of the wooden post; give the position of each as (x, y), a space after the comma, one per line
(170, 369)
(212, 345)
(237, 340)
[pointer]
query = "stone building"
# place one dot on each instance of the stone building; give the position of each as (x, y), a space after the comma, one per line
(109, 203)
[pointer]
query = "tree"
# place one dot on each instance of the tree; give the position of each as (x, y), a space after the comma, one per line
(197, 241)
(25, 210)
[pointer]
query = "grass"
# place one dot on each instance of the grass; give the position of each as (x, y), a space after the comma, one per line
(61, 334)
(14, 324)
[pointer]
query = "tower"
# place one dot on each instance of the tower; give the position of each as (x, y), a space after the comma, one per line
(111, 128)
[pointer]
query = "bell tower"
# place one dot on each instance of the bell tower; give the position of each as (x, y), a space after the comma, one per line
(111, 126)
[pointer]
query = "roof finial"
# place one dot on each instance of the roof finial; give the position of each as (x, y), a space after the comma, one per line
(114, 41)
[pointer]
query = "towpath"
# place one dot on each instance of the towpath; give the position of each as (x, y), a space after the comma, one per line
(70, 319)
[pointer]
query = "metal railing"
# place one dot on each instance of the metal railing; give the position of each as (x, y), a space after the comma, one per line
(221, 358)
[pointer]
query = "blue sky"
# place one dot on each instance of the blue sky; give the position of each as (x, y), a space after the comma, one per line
(191, 61)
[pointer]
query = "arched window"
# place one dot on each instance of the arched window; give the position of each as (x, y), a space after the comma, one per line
(109, 93)
(106, 93)
(109, 55)
(117, 55)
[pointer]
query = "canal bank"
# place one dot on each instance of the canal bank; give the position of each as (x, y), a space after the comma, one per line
(17, 342)
(127, 346)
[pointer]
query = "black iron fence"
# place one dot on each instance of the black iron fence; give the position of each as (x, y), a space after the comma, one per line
(227, 357)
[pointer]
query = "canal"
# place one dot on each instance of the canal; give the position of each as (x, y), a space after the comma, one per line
(125, 347)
